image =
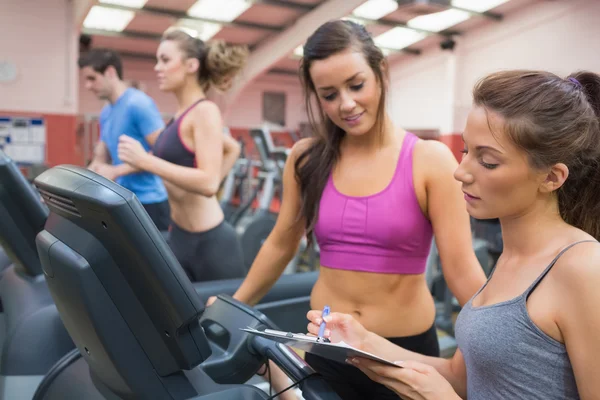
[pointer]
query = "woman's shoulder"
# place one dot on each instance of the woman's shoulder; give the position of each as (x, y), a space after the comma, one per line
(433, 162)
(205, 108)
(432, 150)
(301, 146)
(580, 261)
(202, 114)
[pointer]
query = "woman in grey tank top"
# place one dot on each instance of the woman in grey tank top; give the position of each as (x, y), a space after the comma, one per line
(532, 159)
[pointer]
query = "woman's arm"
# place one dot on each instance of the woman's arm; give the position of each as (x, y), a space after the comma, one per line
(231, 152)
(453, 370)
(578, 280)
(205, 122)
(447, 212)
(283, 241)
(344, 327)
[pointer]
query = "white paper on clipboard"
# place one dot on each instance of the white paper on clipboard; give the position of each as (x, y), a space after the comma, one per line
(333, 351)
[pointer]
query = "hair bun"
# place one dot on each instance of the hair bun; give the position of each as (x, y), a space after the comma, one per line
(223, 61)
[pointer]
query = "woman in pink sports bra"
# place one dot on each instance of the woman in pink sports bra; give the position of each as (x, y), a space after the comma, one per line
(374, 195)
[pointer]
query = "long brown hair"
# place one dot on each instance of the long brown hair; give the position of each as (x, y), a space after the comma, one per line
(218, 60)
(314, 164)
(554, 120)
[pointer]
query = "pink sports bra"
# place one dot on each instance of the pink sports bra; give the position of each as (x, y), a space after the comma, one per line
(385, 232)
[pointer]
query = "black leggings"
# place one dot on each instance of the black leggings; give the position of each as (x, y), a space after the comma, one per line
(207, 256)
(160, 214)
(351, 383)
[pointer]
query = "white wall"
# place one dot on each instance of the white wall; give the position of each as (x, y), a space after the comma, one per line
(559, 36)
(39, 37)
(417, 87)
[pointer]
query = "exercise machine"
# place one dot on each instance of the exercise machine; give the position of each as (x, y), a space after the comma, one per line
(489, 231)
(4, 260)
(278, 156)
(139, 326)
(236, 183)
(33, 336)
(445, 302)
(254, 228)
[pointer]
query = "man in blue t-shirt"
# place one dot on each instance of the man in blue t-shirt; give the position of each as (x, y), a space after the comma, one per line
(131, 112)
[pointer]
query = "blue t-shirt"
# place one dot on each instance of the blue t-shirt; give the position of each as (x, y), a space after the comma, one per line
(134, 114)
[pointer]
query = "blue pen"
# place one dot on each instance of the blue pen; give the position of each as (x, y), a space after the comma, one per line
(322, 327)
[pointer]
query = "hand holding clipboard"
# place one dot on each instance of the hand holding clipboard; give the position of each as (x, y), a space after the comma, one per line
(320, 345)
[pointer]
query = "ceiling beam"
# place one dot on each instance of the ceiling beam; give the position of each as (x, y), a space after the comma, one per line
(447, 4)
(487, 14)
(135, 35)
(176, 15)
(123, 34)
(282, 71)
(288, 4)
(394, 24)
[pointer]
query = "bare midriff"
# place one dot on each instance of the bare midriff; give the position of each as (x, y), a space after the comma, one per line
(193, 212)
(390, 305)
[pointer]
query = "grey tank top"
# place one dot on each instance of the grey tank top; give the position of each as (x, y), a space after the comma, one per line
(507, 356)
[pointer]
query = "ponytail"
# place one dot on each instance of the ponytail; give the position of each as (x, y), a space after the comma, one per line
(313, 167)
(220, 63)
(578, 199)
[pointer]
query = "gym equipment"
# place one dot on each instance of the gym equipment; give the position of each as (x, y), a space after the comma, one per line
(237, 182)
(277, 156)
(4, 260)
(254, 229)
(490, 232)
(34, 337)
(133, 313)
(446, 304)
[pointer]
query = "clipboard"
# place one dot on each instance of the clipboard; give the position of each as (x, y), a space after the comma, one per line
(339, 351)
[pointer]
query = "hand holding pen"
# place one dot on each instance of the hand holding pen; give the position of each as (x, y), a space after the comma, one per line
(337, 327)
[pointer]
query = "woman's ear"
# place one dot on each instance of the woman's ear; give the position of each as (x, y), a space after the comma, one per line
(555, 178)
(192, 65)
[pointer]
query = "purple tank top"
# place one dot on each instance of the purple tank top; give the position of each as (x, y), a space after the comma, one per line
(385, 232)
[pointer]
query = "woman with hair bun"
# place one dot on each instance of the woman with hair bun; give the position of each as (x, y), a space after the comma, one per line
(192, 155)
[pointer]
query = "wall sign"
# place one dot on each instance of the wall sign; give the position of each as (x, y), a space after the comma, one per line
(23, 139)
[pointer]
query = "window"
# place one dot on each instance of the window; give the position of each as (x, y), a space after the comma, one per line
(274, 108)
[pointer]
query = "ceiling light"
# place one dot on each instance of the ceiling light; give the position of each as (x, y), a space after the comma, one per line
(375, 9)
(126, 3)
(108, 19)
(217, 10)
(477, 5)
(399, 38)
(439, 21)
(199, 29)
(298, 52)
(359, 21)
